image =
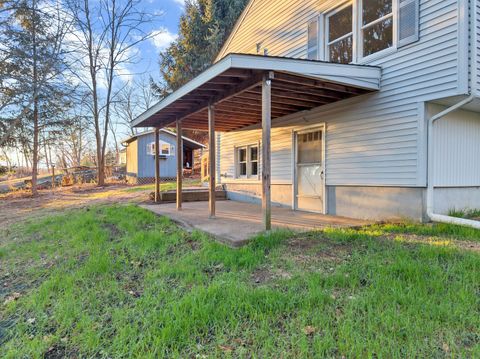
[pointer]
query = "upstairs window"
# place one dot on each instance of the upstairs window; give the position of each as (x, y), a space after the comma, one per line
(361, 28)
(339, 34)
(377, 26)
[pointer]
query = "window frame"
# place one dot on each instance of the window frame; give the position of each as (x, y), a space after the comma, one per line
(248, 161)
(361, 28)
(357, 31)
(326, 33)
(151, 149)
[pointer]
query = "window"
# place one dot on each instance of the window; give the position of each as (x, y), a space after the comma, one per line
(361, 28)
(377, 26)
(165, 149)
(247, 161)
(253, 163)
(340, 35)
(242, 162)
(312, 43)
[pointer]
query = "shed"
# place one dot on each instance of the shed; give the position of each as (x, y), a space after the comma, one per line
(140, 155)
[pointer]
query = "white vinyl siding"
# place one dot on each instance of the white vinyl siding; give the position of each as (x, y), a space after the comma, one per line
(372, 140)
(456, 148)
(362, 148)
(476, 8)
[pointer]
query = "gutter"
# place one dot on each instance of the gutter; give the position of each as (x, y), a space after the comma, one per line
(430, 173)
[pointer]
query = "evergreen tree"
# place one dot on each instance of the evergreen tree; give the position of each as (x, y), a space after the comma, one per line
(204, 27)
(32, 85)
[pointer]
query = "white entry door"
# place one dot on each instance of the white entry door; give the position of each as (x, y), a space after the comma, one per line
(310, 170)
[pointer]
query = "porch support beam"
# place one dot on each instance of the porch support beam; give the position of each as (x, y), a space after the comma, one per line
(179, 164)
(266, 149)
(211, 159)
(158, 197)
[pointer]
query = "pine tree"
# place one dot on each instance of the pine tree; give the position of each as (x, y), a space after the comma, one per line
(203, 29)
(33, 88)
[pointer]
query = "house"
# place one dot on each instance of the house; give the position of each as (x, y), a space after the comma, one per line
(122, 157)
(140, 156)
(365, 109)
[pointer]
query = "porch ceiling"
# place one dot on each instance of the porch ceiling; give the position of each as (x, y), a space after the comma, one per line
(233, 85)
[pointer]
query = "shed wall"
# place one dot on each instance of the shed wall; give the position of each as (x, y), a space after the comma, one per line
(146, 162)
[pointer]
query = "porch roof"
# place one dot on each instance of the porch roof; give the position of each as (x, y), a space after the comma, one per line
(234, 86)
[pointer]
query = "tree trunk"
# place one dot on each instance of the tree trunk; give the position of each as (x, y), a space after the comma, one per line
(35, 104)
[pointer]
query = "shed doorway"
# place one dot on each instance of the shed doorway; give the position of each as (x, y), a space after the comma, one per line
(309, 187)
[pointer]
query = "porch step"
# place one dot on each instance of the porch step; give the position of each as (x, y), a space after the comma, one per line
(191, 195)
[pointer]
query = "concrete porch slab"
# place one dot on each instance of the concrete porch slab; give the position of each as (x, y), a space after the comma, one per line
(237, 222)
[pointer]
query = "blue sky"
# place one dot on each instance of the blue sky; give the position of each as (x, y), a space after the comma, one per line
(165, 27)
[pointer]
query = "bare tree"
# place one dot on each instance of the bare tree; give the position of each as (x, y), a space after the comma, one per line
(107, 32)
(135, 98)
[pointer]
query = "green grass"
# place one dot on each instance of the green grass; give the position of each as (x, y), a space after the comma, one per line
(467, 213)
(167, 186)
(117, 281)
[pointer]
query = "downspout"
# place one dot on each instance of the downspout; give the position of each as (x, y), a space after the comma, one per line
(430, 169)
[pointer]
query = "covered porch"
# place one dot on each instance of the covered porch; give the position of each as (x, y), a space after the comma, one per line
(237, 222)
(241, 91)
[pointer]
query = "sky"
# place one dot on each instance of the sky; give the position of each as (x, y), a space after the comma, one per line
(165, 27)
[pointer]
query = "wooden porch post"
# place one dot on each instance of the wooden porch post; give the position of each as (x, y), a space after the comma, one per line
(179, 164)
(157, 165)
(266, 149)
(211, 160)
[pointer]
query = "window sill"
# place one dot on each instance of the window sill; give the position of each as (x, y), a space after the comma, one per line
(376, 56)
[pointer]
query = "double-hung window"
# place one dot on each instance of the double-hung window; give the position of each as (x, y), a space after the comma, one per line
(377, 26)
(339, 35)
(247, 161)
(358, 29)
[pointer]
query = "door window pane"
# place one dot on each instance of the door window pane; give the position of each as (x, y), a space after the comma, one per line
(309, 147)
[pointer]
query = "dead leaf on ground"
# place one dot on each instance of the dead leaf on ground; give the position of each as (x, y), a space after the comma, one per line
(225, 348)
(309, 330)
(14, 296)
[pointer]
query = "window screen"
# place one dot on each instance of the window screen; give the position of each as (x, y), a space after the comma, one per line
(312, 43)
(408, 22)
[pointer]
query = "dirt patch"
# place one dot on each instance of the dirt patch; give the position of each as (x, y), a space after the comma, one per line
(267, 274)
(115, 232)
(17, 206)
(59, 351)
(304, 249)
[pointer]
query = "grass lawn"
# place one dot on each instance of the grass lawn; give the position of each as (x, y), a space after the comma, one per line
(117, 281)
